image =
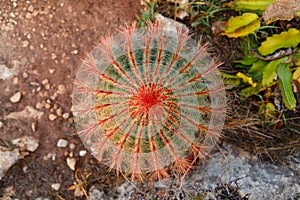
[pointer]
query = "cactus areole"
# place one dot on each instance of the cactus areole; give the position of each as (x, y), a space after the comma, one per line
(149, 102)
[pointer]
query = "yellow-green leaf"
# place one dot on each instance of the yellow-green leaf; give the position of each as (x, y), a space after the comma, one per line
(253, 5)
(290, 38)
(257, 66)
(269, 71)
(241, 26)
(296, 75)
(285, 85)
(237, 22)
(246, 79)
(230, 80)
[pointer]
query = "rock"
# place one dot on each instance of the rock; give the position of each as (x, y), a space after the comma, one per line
(25, 75)
(170, 23)
(72, 146)
(82, 153)
(66, 115)
(16, 97)
(55, 186)
(71, 162)
(47, 86)
(1, 124)
(61, 89)
(95, 194)
(260, 179)
(7, 73)
(45, 81)
(52, 117)
(26, 143)
(34, 126)
(51, 70)
(25, 43)
(62, 143)
(59, 112)
(28, 15)
(9, 157)
(51, 156)
(39, 105)
(16, 81)
(28, 112)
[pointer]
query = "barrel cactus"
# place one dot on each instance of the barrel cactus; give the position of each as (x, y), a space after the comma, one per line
(149, 102)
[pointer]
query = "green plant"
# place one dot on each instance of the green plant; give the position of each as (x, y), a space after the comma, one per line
(274, 65)
(149, 102)
(279, 70)
(202, 12)
(147, 13)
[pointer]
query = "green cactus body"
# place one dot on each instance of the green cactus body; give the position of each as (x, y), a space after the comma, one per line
(149, 101)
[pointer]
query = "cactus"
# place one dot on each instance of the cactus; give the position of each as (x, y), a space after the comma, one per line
(149, 102)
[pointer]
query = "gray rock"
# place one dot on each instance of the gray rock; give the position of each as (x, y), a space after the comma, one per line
(28, 112)
(261, 180)
(7, 73)
(95, 194)
(9, 157)
(170, 23)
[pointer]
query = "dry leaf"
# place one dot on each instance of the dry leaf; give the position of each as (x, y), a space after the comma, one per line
(281, 10)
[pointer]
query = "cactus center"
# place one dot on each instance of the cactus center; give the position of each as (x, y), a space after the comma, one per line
(148, 102)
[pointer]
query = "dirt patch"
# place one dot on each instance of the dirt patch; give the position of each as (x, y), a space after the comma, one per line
(46, 42)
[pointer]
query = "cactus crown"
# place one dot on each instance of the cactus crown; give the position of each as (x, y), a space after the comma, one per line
(149, 101)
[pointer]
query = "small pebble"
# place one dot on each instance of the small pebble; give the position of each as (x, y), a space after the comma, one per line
(47, 105)
(55, 186)
(15, 81)
(50, 156)
(51, 70)
(1, 124)
(61, 89)
(30, 8)
(59, 112)
(62, 143)
(28, 15)
(39, 105)
(16, 97)
(47, 86)
(52, 117)
(82, 153)
(25, 43)
(25, 75)
(71, 163)
(66, 115)
(72, 146)
(34, 126)
(45, 81)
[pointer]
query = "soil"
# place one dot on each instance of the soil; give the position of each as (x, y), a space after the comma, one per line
(48, 40)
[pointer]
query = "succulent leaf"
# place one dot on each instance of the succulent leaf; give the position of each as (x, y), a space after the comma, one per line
(285, 85)
(269, 71)
(241, 26)
(286, 39)
(250, 5)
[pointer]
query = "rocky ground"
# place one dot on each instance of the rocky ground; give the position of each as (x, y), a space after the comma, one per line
(42, 44)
